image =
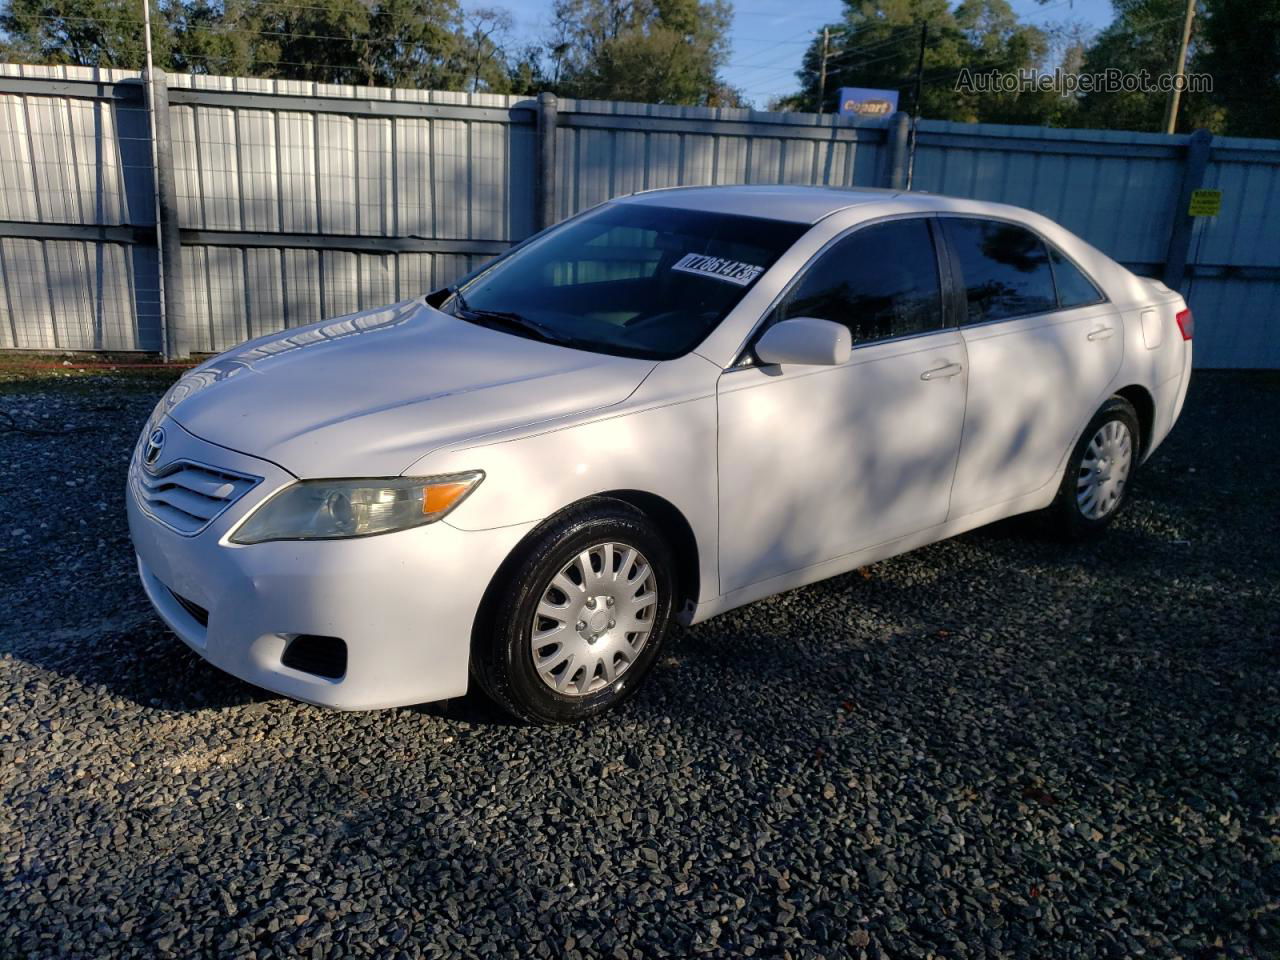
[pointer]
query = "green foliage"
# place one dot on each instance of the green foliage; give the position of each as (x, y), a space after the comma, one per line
(652, 51)
(877, 44)
(1242, 53)
(1236, 42)
(660, 51)
(385, 43)
(420, 43)
(998, 43)
(1144, 36)
(99, 33)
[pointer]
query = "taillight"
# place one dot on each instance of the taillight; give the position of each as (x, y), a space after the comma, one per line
(1186, 323)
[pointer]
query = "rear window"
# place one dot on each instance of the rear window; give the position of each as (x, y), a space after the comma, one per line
(629, 279)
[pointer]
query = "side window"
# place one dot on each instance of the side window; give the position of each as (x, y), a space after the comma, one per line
(1004, 269)
(880, 282)
(1074, 288)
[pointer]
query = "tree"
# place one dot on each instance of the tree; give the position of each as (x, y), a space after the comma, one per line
(653, 51)
(93, 33)
(410, 43)
(526, 71)
(1242, 38)
(1143, 37)
(999, 44)
(877, 45)
(482, 49)
(416, 43)
(204, 41)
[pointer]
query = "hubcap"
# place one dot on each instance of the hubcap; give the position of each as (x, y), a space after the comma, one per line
(1104, 470)
(593, 619)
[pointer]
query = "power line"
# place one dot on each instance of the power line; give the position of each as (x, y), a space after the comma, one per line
(899, 32)
(1046, 9)
(768, 80)
(231, 30)
(903, 32)
(882, 58)
(227, 29)
(906, 31)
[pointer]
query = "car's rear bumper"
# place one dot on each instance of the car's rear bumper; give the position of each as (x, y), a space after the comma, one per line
(1170, 396)
(402, 603)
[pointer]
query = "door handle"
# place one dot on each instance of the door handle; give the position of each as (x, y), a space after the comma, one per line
(1102, 333)
(944, 372)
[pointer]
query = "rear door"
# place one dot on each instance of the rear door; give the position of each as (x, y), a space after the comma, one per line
(820, 461)
(1043, 346)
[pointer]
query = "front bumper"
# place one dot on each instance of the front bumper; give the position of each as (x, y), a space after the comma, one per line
(403, 603)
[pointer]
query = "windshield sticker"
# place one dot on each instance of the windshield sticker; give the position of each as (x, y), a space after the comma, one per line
(732, 271)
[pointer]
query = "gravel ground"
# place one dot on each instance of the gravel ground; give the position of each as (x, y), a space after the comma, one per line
(996, 746)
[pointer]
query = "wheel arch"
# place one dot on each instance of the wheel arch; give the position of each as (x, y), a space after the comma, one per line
(672, 526)
(1144, 405)
(676, 531)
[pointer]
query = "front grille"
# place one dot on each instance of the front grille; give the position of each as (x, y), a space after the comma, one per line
(187, 496)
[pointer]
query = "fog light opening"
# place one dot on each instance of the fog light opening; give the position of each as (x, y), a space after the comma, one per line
(321, 656)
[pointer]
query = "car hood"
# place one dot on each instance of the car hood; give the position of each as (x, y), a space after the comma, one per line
(369, 394)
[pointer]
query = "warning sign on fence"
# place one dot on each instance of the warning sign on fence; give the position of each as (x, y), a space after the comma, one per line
(1205, 203)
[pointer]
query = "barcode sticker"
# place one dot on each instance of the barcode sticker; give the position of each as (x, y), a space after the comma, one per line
(731, 271)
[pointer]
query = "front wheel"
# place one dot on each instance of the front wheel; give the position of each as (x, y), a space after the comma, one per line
(579, 616)
(1099, 472)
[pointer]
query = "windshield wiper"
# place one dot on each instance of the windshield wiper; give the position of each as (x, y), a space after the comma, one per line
(510, 319)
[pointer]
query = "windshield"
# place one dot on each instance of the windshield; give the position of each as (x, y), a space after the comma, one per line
(628, 279)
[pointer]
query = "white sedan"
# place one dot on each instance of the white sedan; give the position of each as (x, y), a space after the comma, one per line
(666, 407)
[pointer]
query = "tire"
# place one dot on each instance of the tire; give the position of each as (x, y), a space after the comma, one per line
(1099, 474)
(585, 660)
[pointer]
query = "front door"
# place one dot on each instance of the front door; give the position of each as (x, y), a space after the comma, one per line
(821, 461)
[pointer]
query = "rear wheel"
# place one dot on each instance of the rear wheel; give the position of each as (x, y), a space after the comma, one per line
(579, 616)
(1099, 472)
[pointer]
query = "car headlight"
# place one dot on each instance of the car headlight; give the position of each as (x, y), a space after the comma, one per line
(336, 509)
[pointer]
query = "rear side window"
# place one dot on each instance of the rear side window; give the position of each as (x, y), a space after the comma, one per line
(881, 282)
(1004, 269)
(1074, 288)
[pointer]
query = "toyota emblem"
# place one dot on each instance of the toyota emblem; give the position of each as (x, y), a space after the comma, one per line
(155, 444)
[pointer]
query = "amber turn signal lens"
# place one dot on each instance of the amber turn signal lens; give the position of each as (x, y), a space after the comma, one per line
(441, 496)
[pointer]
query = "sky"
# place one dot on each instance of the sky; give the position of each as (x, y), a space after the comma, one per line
(769, 36)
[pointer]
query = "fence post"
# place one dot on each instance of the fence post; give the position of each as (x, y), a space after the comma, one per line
(896, 140)
(176, 338)
(546, 184)
(1197, 160)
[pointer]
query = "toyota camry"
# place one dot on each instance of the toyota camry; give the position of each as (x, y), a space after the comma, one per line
(668, 406)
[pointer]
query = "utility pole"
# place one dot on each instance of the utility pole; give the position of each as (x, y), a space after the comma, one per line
(915, 109)
(822, 72)
(1175, 95)
(166, 344)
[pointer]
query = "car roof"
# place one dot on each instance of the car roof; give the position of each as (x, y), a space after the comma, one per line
(792, 203)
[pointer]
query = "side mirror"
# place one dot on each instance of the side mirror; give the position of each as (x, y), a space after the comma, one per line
(805, 340)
